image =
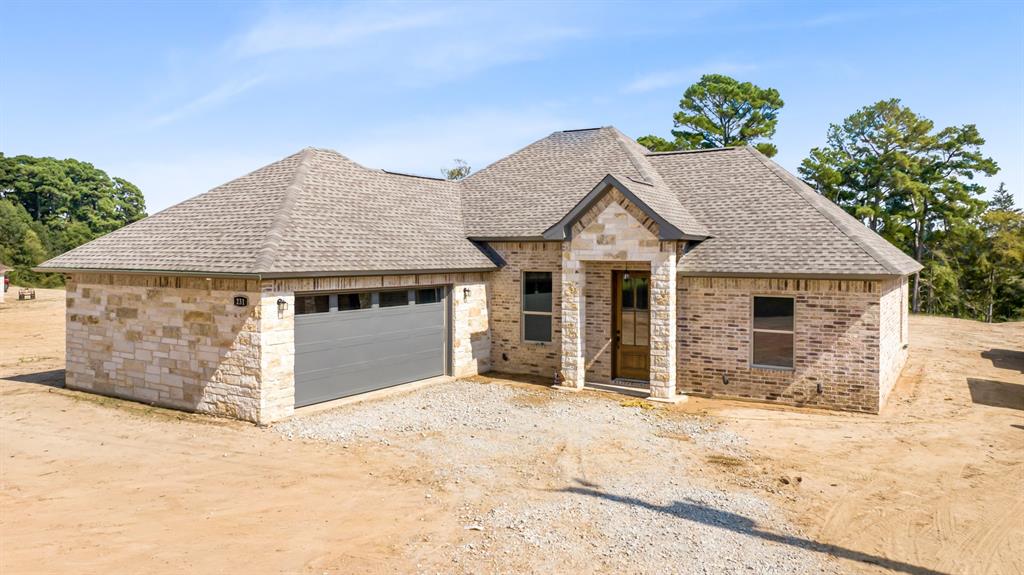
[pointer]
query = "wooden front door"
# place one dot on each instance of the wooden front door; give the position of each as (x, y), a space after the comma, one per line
(631, 324)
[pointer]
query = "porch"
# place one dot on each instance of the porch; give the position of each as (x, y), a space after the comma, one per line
(618, 305)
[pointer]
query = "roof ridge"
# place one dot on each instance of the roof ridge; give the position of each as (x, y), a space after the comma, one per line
(268, 253)
(798, 186)
(620, 139)
(696, 151)
(408, 175)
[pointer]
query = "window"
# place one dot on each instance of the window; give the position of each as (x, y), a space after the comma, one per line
(772, 332)
(635, 318)
(353, 301)
(312, 304)
(394, 298)
(428, 295)
(537, 306)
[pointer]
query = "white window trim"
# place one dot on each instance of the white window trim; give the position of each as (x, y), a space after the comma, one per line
(523, 312)
(753, 330)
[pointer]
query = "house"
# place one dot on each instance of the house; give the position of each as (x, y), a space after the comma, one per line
(582, 258)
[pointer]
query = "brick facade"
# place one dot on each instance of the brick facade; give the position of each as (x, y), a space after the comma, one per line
(838, 342)
(180, 342)
(509, 353)
(894, 334)
(611, 231)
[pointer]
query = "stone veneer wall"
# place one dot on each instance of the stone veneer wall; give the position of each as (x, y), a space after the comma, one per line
(611, 232)
(177, 342)
(837, 341)
(509, 353)
(894, 334)
(180, 342)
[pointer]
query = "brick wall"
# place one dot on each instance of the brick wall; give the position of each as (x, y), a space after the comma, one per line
(173, 341)
(611, 232)
(471, 336)
(894, 334)
(509, 353)
(180, 342)
(598, 351)
(836, 342)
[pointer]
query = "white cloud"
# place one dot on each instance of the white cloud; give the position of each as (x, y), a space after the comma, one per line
(682, 77)
(278, 32)
(218, 95)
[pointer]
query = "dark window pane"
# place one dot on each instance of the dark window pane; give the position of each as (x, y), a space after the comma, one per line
(537, 327)
(394, 298)
(642, 293)
(773, 349)
(773, 313)
(537, 291)
(627, 292)
(428, 295)
(312, 304)
(351, 301)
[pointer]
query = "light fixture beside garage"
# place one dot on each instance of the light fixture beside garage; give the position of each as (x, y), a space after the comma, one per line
(465, 294)
(282, 305)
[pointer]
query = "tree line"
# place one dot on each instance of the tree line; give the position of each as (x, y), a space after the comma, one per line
(891, 168)
(49, 206)
(886, 165)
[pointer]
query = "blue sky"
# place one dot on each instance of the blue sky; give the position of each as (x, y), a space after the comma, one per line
(180, 97)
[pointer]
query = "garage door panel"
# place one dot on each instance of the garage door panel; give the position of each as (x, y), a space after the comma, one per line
(343, 353)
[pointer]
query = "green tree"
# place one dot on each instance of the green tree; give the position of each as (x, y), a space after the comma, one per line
(1003, 228)
(1002, 199)
(48, 206)
(56, 192)
(887, 166)
(460, 170)
(719, 111)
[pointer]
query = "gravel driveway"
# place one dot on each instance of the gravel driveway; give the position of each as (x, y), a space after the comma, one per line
(551, 481)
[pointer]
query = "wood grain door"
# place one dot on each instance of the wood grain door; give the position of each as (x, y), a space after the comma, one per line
(631, 322)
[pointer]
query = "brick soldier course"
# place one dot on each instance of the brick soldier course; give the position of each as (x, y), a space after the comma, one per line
(194, 308)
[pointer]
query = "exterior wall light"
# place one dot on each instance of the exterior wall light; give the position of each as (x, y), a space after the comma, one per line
(465, 294)
(282, 305)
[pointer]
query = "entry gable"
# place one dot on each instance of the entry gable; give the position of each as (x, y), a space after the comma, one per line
(612, 190)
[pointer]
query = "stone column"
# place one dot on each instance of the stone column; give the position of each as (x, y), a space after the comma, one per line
(277, 355)
(663, 327)
(573, 365)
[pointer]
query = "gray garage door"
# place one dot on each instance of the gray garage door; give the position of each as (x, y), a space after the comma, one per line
(351, 343)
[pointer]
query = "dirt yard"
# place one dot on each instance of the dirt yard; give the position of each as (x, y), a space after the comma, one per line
(491, 475)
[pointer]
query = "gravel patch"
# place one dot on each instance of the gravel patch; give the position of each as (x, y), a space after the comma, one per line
(467, 406)
(562, 482)
(626, 527)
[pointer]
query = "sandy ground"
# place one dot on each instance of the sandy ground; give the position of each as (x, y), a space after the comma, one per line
(935, 484)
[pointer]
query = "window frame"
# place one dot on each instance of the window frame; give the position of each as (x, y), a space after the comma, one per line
(753, 330)
(523, 312)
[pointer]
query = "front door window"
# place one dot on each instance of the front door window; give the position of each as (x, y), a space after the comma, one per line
(632, 325)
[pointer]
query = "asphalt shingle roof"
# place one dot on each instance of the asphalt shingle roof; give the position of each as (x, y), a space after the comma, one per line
(313, 212)
(764, 220)
(525, 193)
(317, 212)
